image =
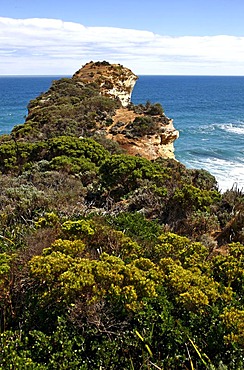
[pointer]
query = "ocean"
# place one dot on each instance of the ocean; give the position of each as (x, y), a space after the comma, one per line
(208, 111)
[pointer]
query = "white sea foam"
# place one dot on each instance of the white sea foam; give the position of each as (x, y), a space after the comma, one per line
(227, 173)
(234, 128)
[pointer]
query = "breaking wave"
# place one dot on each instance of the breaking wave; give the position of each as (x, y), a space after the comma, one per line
(234, 128)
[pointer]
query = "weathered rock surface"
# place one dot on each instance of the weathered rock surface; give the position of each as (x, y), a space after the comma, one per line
(159, 143)
(96, 101)
(157, 136)
(113, 80)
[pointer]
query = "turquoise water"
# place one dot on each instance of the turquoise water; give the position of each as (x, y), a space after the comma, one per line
(207, 111)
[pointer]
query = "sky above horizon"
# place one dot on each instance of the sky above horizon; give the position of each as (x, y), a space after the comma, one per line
(173, 37)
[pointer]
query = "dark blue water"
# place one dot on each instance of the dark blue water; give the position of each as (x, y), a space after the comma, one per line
(15, 94)
(208, 112)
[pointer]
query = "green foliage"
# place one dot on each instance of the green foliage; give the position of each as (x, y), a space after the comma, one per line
(234, 322)
(127, 172)
(71, 164)
(5, 277)
(112, 261)
(48, 220)
(192, 289)
(203, 179)
(36, 350)
(64, 278)
(6, 282)
(179, 248)
(62, 153)
(192, 198)
(5, 260)
(80, 227)
(144, 125)
(228, 269)
(136, 226)
(150, 109)
(72, 248)
(73, 147)
(15, 352)
(68, 108)
(103, 282)
(154, 109)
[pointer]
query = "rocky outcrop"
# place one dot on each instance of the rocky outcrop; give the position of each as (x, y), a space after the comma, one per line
(113, 80)
(158, 142)
(144, 131)
(96, 102)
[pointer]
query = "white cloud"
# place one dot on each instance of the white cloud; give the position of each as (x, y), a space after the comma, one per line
(51, 46)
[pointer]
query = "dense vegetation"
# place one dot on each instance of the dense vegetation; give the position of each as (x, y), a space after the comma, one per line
(109, 261)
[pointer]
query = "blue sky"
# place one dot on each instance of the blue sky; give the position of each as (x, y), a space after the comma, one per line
(204, 37)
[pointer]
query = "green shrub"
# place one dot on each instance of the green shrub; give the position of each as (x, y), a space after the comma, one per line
(154, 109)
(144, 125)
(126, 172)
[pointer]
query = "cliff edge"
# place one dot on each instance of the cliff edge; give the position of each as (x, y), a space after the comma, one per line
(144, 131)
(96, 102)
(113, 80)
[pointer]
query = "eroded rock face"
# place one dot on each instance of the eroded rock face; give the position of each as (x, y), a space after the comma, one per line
(77, 106)
(113, 80)
(159, 142)
(150, 135)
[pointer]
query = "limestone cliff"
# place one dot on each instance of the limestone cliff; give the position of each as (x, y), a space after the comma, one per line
(144, 131)
(113, 80)
(96, 102)
(154, 143)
